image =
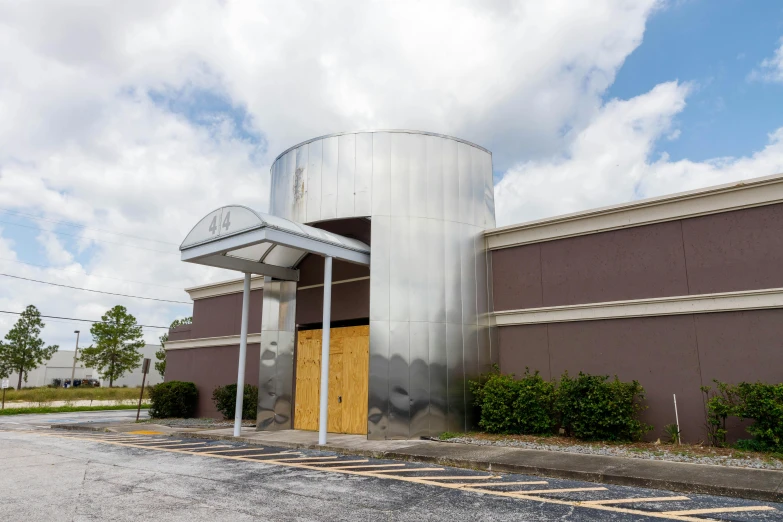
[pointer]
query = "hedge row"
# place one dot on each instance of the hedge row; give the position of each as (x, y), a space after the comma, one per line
(590, 407)
(760, 402)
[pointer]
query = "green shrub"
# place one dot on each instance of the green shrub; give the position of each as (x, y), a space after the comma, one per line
(173, 399)
(592, 407)
(764, 404)
(509, 405)
(720, 403)
(225, 399)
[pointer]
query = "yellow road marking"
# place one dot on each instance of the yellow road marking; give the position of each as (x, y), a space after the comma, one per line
(233, 450)
(563, 490)
(146, 432)
(463, 477)
(406, 470)
(253, 457)
(719, 510)
(371, 466)
(529, 483)
(213, 446)
(341, 462)
(172, 444)
(305, 458)
(631, 500)
(420, 480)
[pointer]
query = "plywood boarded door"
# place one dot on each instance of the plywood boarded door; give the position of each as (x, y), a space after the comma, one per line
(349, 353)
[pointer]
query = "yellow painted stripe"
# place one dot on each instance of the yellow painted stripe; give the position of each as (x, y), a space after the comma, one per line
(360, 466)
(719, 510)
(172, 445)
(496, 484)
(235, 450)
(464, 477)
(146, 432)
(410, 469)
(268, 455)
(340, 462)
(632, 500)
(563, 490)
(296, 459)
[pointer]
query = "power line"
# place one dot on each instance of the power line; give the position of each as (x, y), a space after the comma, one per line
(83, 320)
(72, 224)
(88, 275)
(95, 291)
(87, 237)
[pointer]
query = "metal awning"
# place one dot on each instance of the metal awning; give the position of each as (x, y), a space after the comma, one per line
(238, 238)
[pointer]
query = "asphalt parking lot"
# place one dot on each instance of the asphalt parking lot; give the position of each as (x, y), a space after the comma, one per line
(58, 475)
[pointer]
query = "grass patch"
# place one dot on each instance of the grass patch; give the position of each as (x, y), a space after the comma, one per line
(44, 395)
(69, 409)
(446, 435)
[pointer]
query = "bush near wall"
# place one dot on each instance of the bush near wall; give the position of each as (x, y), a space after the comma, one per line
(588, 407)
(173, 399)
(225, 399)
(592, 407)
(512, 406)
(760, 402)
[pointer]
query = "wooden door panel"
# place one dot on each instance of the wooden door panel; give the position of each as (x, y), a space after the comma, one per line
(349, 353)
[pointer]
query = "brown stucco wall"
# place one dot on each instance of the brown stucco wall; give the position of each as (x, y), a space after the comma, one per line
(666, 354)
(180, 333)
(209, 368)
(731, 251)
(221, 315)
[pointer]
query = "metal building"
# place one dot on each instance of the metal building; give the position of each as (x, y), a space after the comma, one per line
(427, 199)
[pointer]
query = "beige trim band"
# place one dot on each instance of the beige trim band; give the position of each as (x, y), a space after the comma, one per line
(753, 192)
(232, 286)
(686, 304)
(334, 283)
(211, 342)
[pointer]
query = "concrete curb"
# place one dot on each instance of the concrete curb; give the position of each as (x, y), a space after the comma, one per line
(749, 483)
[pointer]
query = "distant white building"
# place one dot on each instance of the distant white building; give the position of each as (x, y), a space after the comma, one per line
(134, 378)
(61, 364)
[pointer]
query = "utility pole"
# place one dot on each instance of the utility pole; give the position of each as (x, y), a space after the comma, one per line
(75, 353)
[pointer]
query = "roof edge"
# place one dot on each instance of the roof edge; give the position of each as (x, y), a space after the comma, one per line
(403, 131)
(765, 190)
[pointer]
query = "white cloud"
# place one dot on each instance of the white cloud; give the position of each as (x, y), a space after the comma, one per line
(102, 122)
(610, 161)
(97, 123)
(770, 69)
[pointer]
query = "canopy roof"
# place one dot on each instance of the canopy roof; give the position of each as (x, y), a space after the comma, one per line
(239, 238)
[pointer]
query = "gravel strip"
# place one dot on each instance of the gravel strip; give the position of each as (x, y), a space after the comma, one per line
(619, 451)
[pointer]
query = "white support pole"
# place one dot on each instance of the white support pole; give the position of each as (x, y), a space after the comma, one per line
(242, 356)
(323, 417)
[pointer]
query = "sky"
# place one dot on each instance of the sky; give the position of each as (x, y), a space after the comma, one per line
(123, 123)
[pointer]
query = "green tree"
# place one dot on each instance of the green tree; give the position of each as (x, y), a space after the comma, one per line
(24, 349)
(160, 355)
(117, 341)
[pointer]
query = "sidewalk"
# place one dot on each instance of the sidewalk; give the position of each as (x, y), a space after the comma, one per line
(756, 484)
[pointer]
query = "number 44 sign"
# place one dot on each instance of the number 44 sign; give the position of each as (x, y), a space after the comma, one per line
(5, 384)
(213, 227)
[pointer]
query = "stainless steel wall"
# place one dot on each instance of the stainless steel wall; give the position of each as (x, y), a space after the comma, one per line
(276, 361)
(429, 198)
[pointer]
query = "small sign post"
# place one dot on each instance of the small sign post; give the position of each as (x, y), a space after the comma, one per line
(145, 367)
(5, 385)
